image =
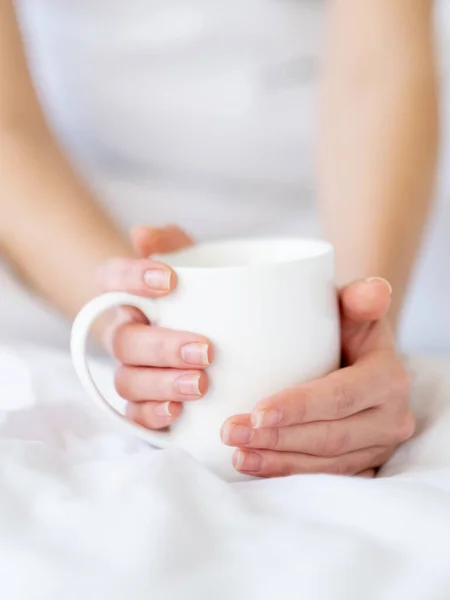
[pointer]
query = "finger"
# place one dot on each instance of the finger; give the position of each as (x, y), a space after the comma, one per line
(142, 345)
(367, 384)
(138, 384)
(266, 463)
(154, 415)
(366, 301)
(124, 315)
(367, 474)
(371, 428)
(143, 277)
(153, 240)
(364, 328)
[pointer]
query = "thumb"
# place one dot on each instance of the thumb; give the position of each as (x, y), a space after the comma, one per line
(158, 240)
(365, 301)
(364, 304)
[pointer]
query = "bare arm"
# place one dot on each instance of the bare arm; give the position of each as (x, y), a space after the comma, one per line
(51, 227)
(379, 137)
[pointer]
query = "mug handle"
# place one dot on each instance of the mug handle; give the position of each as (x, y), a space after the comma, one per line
(79, 338)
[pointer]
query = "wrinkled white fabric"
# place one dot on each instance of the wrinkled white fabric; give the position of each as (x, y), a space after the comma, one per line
(88, 513)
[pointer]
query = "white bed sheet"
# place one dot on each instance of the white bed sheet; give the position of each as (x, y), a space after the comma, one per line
(86, 513)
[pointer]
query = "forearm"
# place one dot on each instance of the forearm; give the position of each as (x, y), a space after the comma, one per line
(51, 227)
(379, 141)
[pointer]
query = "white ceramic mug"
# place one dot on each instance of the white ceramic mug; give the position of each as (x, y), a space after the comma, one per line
(270, 309)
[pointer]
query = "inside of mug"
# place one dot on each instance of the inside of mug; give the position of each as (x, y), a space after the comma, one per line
(244, 253)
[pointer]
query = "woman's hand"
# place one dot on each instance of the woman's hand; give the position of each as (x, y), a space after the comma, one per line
(159, 368)
(348, 422)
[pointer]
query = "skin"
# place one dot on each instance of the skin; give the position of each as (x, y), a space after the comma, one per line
(349, 422)
(52, 207)
(379, 137)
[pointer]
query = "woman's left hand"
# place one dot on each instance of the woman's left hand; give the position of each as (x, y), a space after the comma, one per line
(347, 423)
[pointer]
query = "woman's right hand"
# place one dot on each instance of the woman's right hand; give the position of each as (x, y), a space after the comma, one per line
(159, 369)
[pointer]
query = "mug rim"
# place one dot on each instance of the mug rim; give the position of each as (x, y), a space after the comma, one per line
(321, 248)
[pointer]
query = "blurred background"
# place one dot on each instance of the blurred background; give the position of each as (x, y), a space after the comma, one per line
(110, 79)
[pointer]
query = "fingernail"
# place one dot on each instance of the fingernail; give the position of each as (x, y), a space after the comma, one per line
(162, 409)
(188, 385)
(247, 461)
(266, 418)
(158, 279)
(382, 280)
(236, 435)
(195, 354)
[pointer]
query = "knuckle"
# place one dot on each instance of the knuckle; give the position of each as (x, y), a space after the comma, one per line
(286, 467)
(273, 439)
(159, 347)
(131, 315)
(278, 465)
(345, 398)
(334, 441)
(143, 415)
(148, 418)
(305, 399)
(122, 383)
(117, 342)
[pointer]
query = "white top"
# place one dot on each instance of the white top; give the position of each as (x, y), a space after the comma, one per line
(200, 113)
